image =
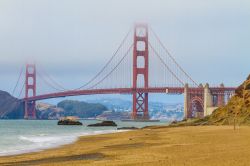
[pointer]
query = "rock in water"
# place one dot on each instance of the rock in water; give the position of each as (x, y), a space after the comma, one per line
(127, 128)
(104, 123)
(68, 122)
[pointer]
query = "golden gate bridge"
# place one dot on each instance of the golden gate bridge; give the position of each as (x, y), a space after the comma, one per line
(141, 65)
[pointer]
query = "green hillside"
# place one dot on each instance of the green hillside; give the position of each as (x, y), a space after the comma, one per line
(81, 109)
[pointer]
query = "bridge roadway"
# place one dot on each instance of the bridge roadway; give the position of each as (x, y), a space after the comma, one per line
(168, 90)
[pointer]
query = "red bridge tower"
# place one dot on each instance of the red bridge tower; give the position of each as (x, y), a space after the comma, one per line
(30, 91)
(140, 51)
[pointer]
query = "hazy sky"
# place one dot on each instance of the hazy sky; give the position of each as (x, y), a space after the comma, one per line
(74, 38)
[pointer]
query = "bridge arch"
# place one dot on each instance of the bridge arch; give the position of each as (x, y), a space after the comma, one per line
(196, 106)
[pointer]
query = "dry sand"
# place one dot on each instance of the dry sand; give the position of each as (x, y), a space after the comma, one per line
(181, 146)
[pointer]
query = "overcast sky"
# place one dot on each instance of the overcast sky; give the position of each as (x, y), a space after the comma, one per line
(74, 38)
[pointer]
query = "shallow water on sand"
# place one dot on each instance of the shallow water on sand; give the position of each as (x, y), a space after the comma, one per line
(22, 136)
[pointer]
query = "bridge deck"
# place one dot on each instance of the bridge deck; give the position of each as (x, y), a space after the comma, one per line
(168, 90)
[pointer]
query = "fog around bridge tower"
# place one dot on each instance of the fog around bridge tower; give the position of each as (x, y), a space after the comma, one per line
(73, 40)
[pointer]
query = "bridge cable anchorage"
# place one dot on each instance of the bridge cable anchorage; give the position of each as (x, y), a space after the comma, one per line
(157, 54)
(53, 81)
(170, 55)
(126, 54)
(48, 83)
(18, 80)
(110, 60)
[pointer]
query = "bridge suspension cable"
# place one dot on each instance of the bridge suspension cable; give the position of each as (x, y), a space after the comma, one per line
(18, 80)
(53, 81)
(167, 67)
(48, 83)
(126, 54)
(108, 63)
(117, 72)
(171, 57)
(21, 91)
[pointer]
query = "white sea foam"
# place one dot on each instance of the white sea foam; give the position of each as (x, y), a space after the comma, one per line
(35, 143)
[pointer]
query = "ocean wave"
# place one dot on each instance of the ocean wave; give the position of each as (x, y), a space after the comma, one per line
(40, 139)
(35, 143)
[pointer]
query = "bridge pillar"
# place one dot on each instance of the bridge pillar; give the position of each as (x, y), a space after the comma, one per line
(140, 50)
(193, 102)
(186, 101)
(208, 103)
(221, 96)
(30, 91)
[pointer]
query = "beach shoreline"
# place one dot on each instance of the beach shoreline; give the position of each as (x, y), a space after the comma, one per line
(22, 136)
(69, 139)
(159, 145)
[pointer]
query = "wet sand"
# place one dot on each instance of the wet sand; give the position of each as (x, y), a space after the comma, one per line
(180, 146)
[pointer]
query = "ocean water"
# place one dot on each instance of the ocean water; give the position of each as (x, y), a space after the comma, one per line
(23, 136)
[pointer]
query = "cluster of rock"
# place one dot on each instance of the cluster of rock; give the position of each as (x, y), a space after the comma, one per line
(73, 121)
(70, 121)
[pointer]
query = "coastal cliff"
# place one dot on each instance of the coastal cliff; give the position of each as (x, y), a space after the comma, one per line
(238, 107)
(10, 107)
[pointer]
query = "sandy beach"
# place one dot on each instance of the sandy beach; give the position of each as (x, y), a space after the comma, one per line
(180, 146)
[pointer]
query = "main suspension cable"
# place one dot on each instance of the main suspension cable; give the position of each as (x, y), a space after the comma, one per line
(157, 54)
(126, 54)
(48, 83)
(18, 80)
(170, 55)
(53, 81)
(113, 56)
(21, 90)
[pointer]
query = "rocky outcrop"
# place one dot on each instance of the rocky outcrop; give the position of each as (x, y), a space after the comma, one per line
(68, 122)
(237, 108)
(10, 107)
(104, 123)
